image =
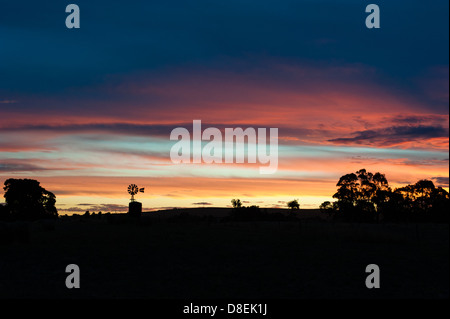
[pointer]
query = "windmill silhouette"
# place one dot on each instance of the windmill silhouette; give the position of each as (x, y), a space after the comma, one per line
(133, 190)
(134, 207)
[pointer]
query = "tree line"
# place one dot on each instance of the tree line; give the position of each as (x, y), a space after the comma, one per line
(364, 196)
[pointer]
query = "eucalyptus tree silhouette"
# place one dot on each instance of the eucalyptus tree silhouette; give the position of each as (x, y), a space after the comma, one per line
(362, 194)
(362, 186)
(424, 200)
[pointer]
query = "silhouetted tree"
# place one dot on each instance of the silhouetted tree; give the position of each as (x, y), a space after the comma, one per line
(236, 203)
(293, 204)
(440, 205)
(424, 191)
(27, 200)
(347, 188)
(326, 207)
(396, 208)
(424, 201)
(362, 195)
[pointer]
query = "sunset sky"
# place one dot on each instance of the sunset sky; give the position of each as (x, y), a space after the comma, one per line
(89, 111)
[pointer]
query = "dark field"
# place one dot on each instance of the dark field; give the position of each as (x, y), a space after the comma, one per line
(167, 258)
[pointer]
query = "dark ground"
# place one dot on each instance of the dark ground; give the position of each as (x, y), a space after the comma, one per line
(166, 258)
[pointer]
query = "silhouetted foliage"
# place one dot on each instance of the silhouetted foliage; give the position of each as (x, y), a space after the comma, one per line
(27, 200)
(326, 207)
(421, 201)
(236, 203)
(293, 204)
(363, 196)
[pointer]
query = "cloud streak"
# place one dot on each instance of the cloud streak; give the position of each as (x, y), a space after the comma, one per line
(393, 136)
(441, 181)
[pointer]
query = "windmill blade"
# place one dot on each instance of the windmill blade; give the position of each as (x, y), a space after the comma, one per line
(133, 189)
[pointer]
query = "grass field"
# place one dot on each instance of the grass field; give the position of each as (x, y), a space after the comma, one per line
(177, 258)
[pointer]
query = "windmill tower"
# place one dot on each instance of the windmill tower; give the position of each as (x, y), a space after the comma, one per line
(134, 207)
